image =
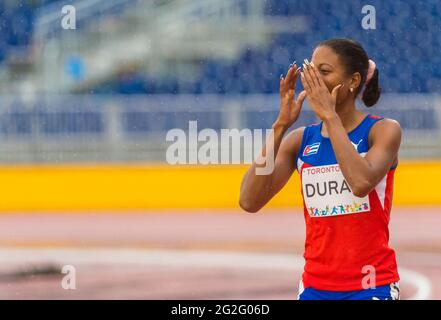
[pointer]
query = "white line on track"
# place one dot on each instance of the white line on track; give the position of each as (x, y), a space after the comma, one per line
(189, 258)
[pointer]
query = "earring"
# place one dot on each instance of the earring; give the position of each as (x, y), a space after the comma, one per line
(351, 89)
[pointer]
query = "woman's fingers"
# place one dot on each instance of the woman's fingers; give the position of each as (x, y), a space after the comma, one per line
(290, 76)
(307, 77)
(334, 92)
(305, 82)
(295, 78)
(316, 75)
(301, 98)
(307, 69)
(282, 81)
(285, 82)
(310, 77)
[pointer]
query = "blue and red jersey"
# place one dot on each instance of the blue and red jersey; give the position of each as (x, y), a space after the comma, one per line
(345, 234)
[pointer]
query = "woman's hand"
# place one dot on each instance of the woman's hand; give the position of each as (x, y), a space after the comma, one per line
(321, 101)
(289, 107)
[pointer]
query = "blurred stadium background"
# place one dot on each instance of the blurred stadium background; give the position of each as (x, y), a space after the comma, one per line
(84, 115)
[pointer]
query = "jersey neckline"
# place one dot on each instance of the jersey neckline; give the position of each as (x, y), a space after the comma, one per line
(361, 122)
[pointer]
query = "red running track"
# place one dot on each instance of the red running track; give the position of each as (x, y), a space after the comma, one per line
(189, 255)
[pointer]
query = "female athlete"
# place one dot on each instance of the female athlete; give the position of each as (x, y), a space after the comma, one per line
(346, 165)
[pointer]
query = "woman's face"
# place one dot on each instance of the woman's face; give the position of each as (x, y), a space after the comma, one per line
(332, 71)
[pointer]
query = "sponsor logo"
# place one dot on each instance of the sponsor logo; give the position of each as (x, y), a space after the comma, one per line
(356, 145)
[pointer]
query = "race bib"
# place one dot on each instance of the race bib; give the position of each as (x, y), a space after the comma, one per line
(326, 193)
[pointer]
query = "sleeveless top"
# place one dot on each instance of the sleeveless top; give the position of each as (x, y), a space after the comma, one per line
(346, 236)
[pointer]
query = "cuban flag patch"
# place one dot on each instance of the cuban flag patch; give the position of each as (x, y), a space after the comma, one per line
(311, 149)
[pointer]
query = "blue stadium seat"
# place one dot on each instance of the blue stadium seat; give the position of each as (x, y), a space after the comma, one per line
(406, 39)
(405, 45)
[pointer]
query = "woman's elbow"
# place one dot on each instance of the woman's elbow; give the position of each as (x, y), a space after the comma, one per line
(360, 193)
(248, 206)
(362, 190)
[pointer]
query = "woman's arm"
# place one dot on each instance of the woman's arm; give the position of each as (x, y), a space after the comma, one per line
(364, 173)
(257, 189)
